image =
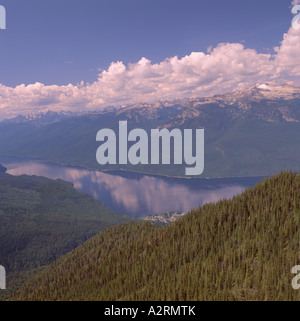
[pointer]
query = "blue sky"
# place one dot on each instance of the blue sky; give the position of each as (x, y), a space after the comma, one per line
(58, 42)
(85, 55)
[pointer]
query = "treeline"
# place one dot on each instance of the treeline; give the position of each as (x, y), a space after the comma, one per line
(239, 249)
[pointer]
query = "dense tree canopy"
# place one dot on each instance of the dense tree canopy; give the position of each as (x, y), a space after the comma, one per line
(239, 249)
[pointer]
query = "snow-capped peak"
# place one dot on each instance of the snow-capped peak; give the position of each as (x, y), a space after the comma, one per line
(264, 86)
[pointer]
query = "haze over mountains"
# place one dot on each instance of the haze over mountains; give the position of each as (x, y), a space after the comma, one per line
(247, 133)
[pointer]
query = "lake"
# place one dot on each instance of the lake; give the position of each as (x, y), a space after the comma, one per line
(135, 194)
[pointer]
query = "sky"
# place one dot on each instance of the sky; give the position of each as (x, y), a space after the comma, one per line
(81, 55)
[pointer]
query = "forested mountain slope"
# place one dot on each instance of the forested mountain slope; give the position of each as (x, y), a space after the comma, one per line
(239, 249)
(42, 219)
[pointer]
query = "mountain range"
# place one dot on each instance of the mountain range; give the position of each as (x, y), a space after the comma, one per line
(253, 132)
(41, 118)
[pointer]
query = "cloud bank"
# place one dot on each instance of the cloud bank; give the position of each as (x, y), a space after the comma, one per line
(229, 66)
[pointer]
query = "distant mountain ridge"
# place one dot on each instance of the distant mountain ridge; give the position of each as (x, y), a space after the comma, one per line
(254, 132)
(261, 102)
(41, 118)
(242, 100)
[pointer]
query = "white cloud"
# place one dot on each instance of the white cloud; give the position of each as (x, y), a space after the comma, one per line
(287, 60)
(226, 67)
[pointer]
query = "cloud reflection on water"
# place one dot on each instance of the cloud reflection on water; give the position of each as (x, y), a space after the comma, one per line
(133, 194)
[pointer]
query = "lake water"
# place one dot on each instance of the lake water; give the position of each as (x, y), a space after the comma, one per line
(132, 193)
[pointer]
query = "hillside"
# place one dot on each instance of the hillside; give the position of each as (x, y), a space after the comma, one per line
(42, 219)
(239, 249)
(255, 132)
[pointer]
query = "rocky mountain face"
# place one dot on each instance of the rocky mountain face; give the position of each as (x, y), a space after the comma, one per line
(265, 102)
(262, 102)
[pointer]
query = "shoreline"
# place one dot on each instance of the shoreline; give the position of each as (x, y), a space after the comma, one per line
(126, 170)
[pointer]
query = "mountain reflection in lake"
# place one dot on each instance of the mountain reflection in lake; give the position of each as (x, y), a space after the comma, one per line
(136, 194)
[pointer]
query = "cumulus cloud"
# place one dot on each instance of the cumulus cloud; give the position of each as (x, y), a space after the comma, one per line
(287, 60)
(226, 67)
